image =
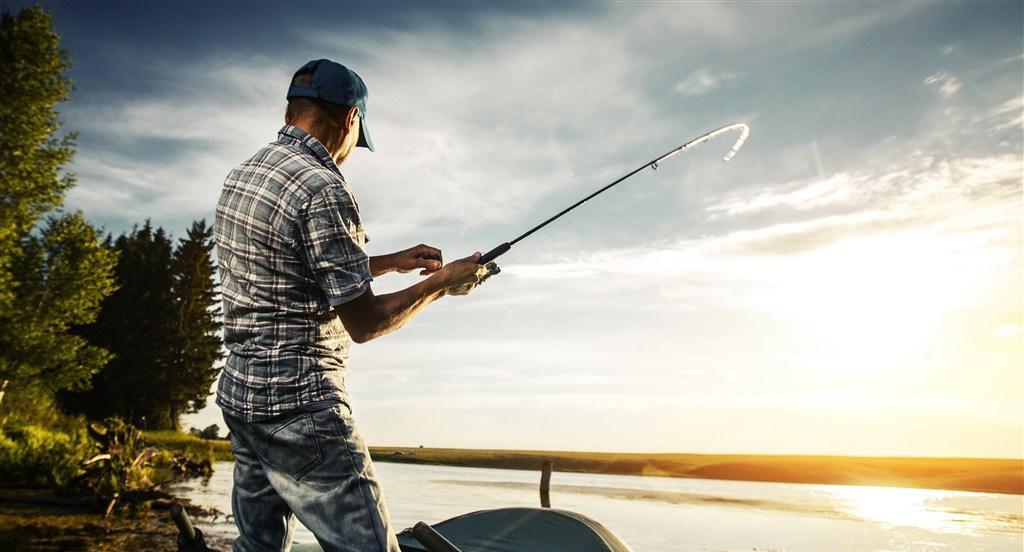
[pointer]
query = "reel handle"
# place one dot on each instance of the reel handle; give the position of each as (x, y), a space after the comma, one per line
(494, 253)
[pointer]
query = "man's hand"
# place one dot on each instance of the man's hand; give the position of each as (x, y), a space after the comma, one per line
(370, 316)
(461, 276)
(427, 259)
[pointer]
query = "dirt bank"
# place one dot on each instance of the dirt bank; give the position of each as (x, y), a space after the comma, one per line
(39, 521)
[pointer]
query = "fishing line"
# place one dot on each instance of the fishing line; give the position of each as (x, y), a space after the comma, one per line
(744, 130)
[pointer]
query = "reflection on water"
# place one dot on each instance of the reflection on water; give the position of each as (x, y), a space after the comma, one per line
(656, 514)
(932, 510)
(939, 511)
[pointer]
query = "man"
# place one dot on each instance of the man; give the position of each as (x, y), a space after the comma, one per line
(296, 288)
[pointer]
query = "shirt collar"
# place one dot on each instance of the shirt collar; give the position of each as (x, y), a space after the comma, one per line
(294, 135)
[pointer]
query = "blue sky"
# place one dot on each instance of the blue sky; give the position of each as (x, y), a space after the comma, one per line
(849, 284)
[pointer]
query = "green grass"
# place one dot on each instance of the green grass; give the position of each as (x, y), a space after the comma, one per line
(186, 444)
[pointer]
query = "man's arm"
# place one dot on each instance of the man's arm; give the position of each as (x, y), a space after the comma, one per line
(419, 257)
(370, 316)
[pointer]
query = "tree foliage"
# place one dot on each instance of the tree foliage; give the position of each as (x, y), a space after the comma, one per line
(136, 323)
(162, 325)
(53, 270)
(198, 344)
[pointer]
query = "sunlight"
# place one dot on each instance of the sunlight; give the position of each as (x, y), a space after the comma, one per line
(870, 302)
(902, 507)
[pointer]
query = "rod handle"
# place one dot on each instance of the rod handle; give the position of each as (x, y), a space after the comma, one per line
(431, 539)
(494, 253)
(184, 524)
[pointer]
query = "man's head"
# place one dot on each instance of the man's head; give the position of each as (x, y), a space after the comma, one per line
(328, 100)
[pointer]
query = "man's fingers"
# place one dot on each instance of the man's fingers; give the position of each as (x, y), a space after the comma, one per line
(428, 252)
(428, 265)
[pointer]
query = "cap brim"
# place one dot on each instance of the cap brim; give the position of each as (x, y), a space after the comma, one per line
(364, 134)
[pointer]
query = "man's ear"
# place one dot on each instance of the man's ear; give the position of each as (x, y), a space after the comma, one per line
(350, 116)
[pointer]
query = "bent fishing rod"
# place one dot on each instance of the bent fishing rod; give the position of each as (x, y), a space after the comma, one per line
(488, 258)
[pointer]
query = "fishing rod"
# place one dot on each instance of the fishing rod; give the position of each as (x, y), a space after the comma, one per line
(488, 257)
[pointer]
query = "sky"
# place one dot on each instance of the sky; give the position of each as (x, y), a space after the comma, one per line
(850, 283)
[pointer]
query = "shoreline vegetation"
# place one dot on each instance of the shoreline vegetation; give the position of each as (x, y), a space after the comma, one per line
(1005, 476)
(40, 517)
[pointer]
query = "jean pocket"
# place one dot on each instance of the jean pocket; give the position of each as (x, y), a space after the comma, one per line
(293, 447)
(333, 421)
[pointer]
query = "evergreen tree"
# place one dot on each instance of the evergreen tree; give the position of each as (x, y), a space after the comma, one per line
(53, 270)
(162, 324)
(198, 344)
(137, 323)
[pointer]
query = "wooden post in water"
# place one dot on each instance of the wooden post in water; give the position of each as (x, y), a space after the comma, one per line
(545, 483)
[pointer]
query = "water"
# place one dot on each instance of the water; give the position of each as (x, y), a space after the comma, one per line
(664, 514)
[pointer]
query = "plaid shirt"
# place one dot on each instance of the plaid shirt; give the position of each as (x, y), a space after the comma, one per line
(290, 247)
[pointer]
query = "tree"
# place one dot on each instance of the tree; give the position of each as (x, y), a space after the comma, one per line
(138, 324)
(53, 270)
(162, 324)
(198, 345)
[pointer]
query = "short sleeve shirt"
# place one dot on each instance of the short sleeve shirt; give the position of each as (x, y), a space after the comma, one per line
(290, 248)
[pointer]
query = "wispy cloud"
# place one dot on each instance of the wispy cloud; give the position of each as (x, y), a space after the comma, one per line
(945, 83)
(962, 196)
(703, 81)
(836, 189)
(1008, 115)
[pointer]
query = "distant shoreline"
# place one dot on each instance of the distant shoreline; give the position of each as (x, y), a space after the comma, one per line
(1005, 476)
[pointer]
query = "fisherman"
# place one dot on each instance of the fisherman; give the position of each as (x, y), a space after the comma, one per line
(295, 280)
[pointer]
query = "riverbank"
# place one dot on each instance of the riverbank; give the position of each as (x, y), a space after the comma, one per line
(953, 474)
(39, 520)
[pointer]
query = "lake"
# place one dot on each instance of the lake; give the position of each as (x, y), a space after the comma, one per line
(654, 514)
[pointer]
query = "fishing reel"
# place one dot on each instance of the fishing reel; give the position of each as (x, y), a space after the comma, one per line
(492, 269)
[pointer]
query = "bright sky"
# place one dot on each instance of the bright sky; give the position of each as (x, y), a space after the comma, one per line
(850, 284)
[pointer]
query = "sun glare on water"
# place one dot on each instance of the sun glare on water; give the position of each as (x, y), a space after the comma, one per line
(903, 507)
(931, 510)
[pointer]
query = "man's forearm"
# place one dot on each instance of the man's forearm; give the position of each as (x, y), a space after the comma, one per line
(381, 264)
(369, 317)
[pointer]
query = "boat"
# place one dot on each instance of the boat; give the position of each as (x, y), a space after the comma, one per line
(496, 530)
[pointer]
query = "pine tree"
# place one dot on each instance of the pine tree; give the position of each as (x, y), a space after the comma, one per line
(162, 324)
(138, 324)
(198, 343)
(53, 270)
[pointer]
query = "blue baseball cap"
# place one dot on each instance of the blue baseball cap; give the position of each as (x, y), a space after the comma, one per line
(337, 84)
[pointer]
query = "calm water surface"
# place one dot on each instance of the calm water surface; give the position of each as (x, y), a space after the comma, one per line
(654, 514)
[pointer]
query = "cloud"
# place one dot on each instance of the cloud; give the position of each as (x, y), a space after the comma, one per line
(945, 83)
(165, 157)
(921, 179)
(972, 196)
(703, 81)
(803, 195)
(1008, 115)
(474, 129)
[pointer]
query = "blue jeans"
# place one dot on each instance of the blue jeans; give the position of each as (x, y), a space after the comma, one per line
(314, 466)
